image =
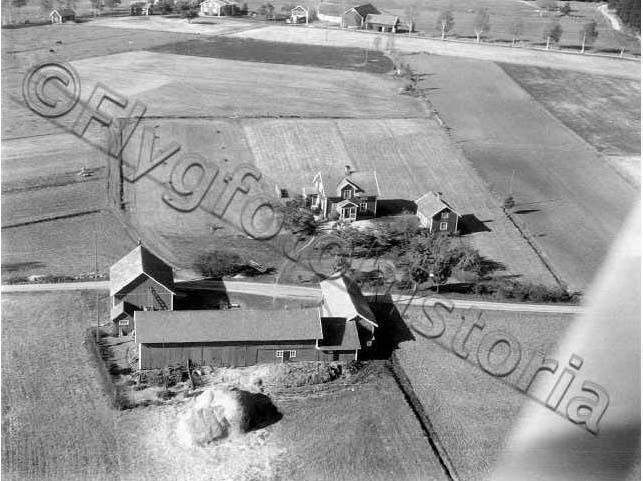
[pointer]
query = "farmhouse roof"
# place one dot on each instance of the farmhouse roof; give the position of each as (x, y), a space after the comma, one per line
(227, 325)
(432, 203)
(342, 297)
(382, 19)
(344, 203)
(339, 335)
(365, 9)
(299, 8)
(139, 262)
(63, 12)
(331, 9)
(364, 181)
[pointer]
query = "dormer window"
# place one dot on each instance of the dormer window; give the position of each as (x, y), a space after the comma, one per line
(347, 193)
(445, 215)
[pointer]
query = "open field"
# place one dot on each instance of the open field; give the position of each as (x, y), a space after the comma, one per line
(605, 111)
(472, 411)
(411, 155)
(540, 58)
(570, 214)
(57, 424)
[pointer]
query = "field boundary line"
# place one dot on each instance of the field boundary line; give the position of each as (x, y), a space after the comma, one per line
(417, 407)
(49, 219)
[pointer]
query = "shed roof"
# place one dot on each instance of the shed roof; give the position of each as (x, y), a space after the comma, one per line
(63, 12)
(382, 19)
(431, 203)
(342, 297)
(227, 325)
(365, 9)
(137, 263)
(339, 335)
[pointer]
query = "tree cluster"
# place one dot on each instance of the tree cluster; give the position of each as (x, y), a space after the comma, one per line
(629, 11)
(219, 263)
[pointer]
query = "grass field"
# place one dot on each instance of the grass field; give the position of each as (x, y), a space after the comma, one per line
(522, 149)
(56, 422)
(604, 110)
(471, 411)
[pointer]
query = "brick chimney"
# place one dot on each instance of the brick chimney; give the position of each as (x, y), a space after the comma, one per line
(347, 170)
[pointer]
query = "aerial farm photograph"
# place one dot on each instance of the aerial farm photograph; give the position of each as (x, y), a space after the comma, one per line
(317, 240)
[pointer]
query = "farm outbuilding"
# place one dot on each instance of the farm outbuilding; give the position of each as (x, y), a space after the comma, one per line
(355, 17)
(219, 8)
(435, 214)
(62, 15)
(382, 22)
(139, 281)
(299, 14)
(343, 298)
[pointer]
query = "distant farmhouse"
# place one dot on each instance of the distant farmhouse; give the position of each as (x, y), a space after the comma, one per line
(299, 14)
(140, 8)
(361, 16)
(62, 15)
(219, 8)
(435, 214)
(140, 281)
(141, 288)
(347, 197)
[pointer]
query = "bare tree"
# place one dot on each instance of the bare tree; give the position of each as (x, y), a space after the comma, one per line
(481, 23)
(517, 28)
(411, 11)
(446, 22)
(552, 32)
(588, 35)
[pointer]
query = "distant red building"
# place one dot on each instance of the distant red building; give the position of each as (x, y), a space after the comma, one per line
(436, 215)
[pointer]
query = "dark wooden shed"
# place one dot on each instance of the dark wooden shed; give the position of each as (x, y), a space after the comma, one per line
(227, 337)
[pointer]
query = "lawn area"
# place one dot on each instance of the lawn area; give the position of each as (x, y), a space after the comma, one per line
(605, 111)
(472, 411)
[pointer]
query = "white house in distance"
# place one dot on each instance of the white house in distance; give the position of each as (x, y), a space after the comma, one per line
(219, 8)
(298, 14)
(62, 15)
(435, 214)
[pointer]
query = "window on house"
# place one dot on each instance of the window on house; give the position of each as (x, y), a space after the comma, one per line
(123, 322)
(363, 206)
(445, 215)
(444, 225)
(279, 354)
(347, 193)
(293, 353)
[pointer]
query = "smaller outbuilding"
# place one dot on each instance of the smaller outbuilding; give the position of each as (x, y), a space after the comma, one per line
(355, 17)
(435, 214)
(62, 15)
(298, 14)
(219, 8)
(383, 22)
(140, 281)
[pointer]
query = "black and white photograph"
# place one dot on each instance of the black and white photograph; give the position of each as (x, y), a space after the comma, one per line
(320, 240)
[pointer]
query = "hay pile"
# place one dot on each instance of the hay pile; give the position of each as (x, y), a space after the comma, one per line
(223, 411)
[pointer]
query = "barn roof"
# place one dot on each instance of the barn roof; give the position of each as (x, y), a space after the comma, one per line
(382, 19)
(153, 327)
(365, 9)
(139, 262)
(339, 335)
(342, 297)
(431, 203)
(63, 12)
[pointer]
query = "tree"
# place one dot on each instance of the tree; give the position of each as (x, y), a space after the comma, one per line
(588, 35)
(509, 203)
(296, 218)
(244, 9)
(446, 22)
(517, 28)
(481, 23)
(552, 32)
(267, 9)
(565, 8)
(411, 11)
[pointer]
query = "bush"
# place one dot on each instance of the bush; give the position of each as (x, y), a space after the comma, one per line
(219, 263)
